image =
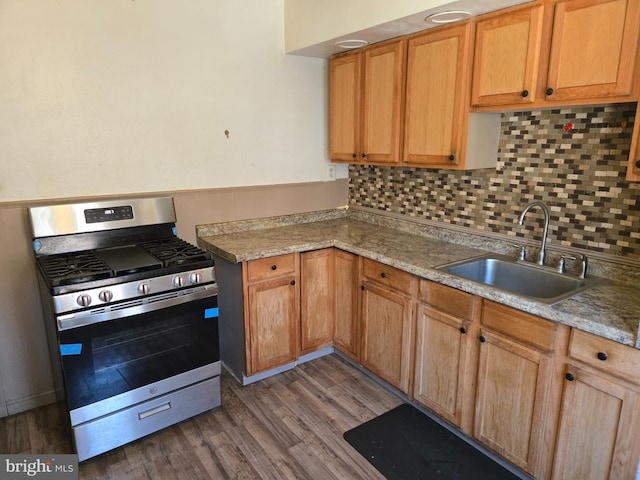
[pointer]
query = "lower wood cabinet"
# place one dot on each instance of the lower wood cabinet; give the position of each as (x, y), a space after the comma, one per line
(600, 412)
(516, 399)
(446, 352)
(345, 282)
(317, 299)
(386, 322)
(272, 318)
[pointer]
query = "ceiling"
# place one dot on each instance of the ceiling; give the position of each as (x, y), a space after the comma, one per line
(403, 26)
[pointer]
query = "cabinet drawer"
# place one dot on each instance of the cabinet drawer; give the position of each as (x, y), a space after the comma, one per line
(271, 267)
(386, 275)
(455, 302)
(517, 324)
(607, 355)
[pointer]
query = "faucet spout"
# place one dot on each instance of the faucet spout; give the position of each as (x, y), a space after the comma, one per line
(545, 211)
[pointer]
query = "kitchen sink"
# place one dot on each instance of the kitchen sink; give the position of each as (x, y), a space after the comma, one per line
(515, 276)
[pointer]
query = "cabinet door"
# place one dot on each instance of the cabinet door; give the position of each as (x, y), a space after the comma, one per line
(272, 323)
(633, 167)
(593, 49)
(507, 56)
(513, 384)
(345, 77)
(597, 437)
(437, 87)
(383, 102)
(442, 350)
(386, 335)
(345, 333)
(316, 299)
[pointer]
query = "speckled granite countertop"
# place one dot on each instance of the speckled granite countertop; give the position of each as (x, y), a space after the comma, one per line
(611, 310)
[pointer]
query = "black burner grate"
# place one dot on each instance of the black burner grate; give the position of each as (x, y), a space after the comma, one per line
(73, 268)
(175, 251)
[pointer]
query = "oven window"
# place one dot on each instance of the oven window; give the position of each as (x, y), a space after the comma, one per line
(113, 357)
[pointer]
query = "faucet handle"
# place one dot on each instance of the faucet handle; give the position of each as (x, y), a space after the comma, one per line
(584, 263)
(523, 251)
(561, 262)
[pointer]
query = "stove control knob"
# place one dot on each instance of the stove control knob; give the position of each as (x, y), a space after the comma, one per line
(178, 281)
(143, 288)
(105, 295)
(84, 300)
(195, 277)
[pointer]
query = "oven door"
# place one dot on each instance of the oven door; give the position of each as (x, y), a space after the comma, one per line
(109, 365)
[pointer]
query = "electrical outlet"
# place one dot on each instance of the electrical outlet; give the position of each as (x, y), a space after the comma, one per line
(331, 172)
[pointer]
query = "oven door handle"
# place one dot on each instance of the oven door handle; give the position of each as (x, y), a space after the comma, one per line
(130, 308)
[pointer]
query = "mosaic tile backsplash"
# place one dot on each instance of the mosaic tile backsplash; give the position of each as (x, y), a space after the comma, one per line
(572, 159)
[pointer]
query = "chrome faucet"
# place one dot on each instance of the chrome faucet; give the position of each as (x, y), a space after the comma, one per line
(545, 210)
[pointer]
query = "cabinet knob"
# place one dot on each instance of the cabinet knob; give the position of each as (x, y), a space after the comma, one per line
(354, 155)
(383, 275)
(549, 91)
(274, 267)
(602, 356)
(637, 163)
(483, 338)
(363, 287)
(293, 282)
(452, 158)
(364, 155)
(570, 377)
(463, 330)
(525, 93)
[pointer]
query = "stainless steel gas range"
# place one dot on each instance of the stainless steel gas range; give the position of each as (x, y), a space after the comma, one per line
(131, 313)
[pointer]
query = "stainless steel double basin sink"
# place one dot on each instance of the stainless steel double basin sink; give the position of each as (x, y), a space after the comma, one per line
(525, 279)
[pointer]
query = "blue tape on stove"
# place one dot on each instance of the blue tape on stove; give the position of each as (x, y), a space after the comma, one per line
(70, 349)
(210, 312)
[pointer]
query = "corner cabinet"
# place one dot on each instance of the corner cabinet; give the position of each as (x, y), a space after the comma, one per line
(345, 329)
(317, 299)
(386, 322)
(366, 104)
(544, 54)
(600, 413)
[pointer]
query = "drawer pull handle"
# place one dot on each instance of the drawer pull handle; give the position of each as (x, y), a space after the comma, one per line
(274, 267)
(570, 377)
(602, 356)
(154, 411)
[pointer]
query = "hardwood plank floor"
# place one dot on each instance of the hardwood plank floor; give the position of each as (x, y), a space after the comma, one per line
(285, 427)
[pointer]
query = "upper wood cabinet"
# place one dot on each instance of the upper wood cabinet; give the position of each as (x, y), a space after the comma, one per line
(564, 52)
(437, 88)
(507, 55)
(366, 104)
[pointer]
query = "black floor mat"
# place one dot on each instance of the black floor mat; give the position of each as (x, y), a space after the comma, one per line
(405, 444)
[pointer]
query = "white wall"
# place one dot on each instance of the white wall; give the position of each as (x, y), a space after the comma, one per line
(129, 96)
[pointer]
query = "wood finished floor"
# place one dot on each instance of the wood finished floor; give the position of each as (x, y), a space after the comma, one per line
(285, 427)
